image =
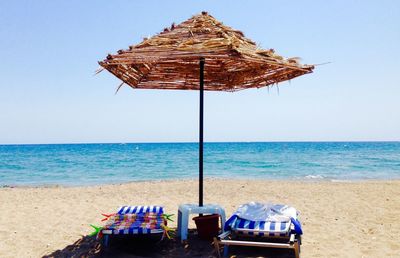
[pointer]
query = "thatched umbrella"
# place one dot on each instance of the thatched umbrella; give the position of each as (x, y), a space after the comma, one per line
(201, 54)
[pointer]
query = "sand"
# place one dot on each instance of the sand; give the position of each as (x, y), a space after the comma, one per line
(340, 219)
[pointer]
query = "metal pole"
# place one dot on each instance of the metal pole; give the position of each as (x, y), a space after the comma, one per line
(202, 61)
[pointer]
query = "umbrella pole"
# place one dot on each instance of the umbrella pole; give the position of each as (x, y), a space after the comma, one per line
(202, 61)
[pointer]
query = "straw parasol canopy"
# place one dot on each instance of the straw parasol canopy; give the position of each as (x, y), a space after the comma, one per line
(201, 54)
(170, 59)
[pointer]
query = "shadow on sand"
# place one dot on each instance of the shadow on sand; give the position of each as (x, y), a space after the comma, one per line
(148, 247)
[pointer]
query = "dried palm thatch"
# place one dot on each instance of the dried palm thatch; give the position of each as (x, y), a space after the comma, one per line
(170, 60)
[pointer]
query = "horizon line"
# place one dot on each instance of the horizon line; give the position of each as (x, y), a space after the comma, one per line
(196, 142)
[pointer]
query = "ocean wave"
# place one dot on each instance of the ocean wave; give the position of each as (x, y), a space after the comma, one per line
(314, 177)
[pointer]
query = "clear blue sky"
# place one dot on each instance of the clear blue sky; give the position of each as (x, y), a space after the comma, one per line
(49, 52)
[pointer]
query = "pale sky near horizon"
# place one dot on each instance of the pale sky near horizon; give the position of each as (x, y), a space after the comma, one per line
(49, 52)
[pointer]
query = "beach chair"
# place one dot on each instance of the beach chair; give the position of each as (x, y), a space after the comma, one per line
(135, 220)
(261, 225)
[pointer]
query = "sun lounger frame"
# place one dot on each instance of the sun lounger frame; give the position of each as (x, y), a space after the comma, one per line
(225, 239)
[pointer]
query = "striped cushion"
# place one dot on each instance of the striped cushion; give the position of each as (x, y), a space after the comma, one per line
(261, 228)
(140, 209)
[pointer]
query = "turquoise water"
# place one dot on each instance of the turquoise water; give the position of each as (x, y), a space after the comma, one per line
(88, 164)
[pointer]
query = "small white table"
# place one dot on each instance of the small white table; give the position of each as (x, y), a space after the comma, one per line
(186, 209)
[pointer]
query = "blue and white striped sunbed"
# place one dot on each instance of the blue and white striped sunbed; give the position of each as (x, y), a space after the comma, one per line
(136, 220)
(276, 225)
(267, 220)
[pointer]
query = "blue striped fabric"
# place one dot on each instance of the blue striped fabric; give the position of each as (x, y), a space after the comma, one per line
(261, 228)
(132, 231)
(140, 209)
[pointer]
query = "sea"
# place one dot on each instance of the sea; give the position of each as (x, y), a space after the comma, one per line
(96, 164)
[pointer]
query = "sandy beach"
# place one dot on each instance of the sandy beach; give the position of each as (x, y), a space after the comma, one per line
(343, 219)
